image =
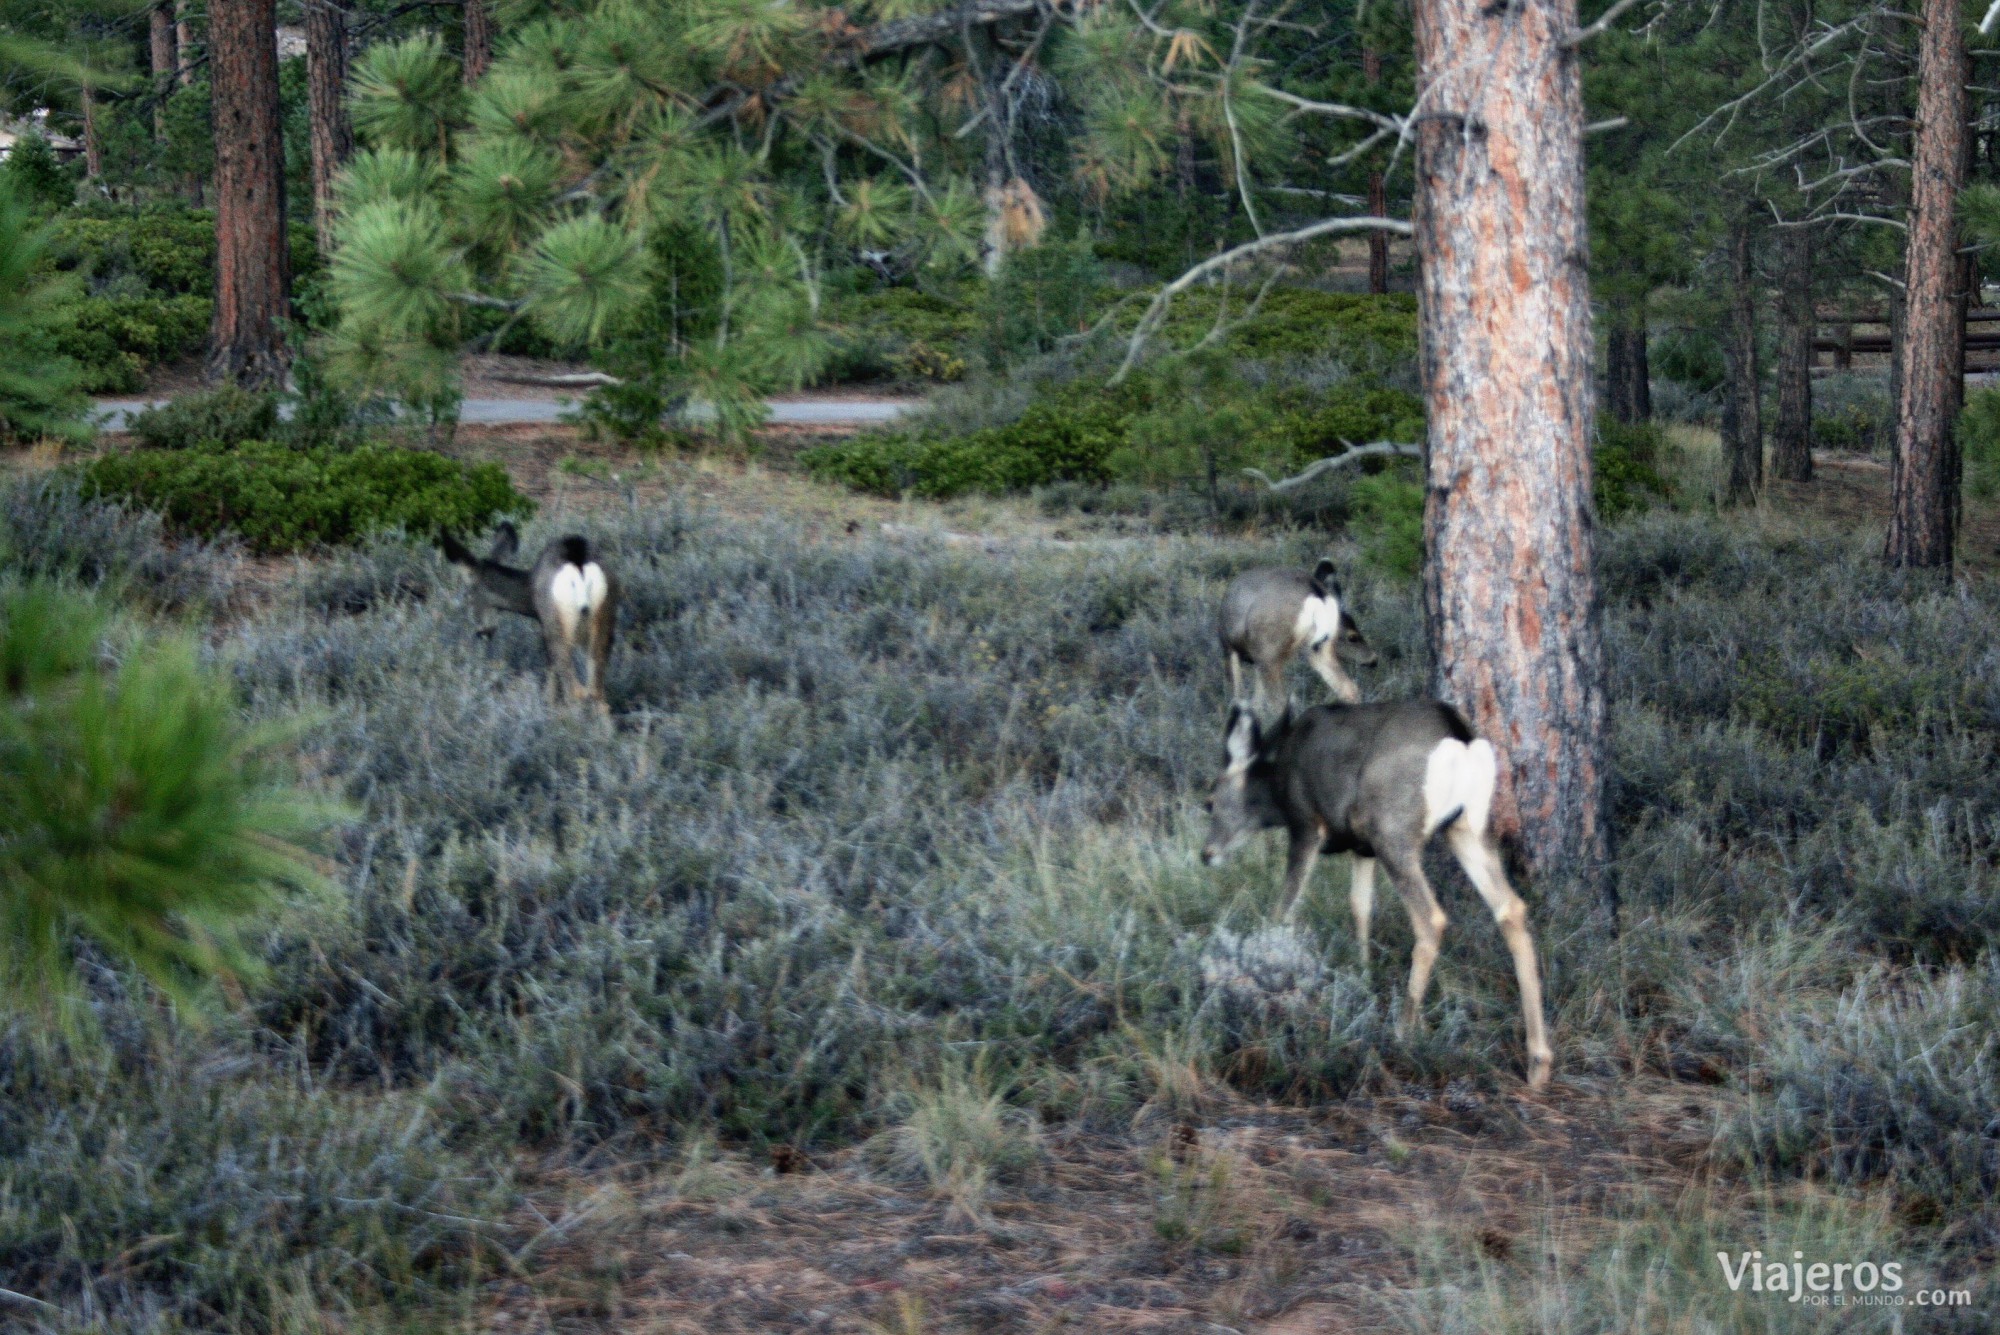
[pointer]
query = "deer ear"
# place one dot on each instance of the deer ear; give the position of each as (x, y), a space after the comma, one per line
(506, 542)
(1243, 738)
(1323, 582)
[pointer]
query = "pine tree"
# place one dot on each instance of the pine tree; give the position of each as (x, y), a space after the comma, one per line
(38, 389)
(137, 813)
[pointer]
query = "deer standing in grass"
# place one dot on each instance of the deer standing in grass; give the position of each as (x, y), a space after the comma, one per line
(567, 591)
(1269, 615)
(1378, 781)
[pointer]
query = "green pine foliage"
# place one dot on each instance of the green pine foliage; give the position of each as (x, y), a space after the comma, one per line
(39, 386)
(35, 177)
(137, 812)
(279, 499)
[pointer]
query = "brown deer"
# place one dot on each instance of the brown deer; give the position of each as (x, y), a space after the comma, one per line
(567, 591)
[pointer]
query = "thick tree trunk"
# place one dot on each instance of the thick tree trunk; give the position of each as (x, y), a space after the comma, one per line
(1742, 413)
(164, 62)
(331, 135)
(252, 269)
(184, 42)
(1791, 436)
(1510, 594)
(1378, 194)
(1923, 481)
(478, 40)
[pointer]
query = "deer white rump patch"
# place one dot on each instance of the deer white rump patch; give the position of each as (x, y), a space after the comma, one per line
(1319, 620)
(1459, 779)
(575, 591)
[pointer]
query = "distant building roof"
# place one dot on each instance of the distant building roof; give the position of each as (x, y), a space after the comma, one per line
(12, 131)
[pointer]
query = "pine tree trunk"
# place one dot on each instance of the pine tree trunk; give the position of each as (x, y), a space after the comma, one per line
(1742, 413)
(1378, 194)
(252, 268)
(1628, 374)
(184, 42)
(160, 21)
(1510, 594)
(478, 40)
(331, 135)
(1617, 375)
(1791, 436)
(1639, 366)
(1924, 470)
(93, 151)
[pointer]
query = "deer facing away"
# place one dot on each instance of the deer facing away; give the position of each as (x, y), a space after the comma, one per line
(1268, 615)
(567, 591)
(1378, 781)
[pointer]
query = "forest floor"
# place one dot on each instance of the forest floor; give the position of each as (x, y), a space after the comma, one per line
(1220, 1215)
(1229, 1215)
(1209, 1213)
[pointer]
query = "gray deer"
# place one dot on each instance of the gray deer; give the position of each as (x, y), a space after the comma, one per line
(1268, 615)
(568, 591)
(1378, 781)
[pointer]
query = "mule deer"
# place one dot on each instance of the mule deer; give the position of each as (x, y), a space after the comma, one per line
(1378, 781)
(567, 591)
(1269, 615)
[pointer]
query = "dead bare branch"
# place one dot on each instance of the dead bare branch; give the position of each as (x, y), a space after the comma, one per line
(1355, 453)
(1150, 321)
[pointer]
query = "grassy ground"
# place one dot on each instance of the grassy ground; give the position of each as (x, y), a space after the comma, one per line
(859, 974)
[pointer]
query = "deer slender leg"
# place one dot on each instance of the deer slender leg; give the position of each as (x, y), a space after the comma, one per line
(601, 630)
(1274, 684)
(1476, 853)
(562, 669)
(1427, 921)
(1327, 664)
(1361, 898)
(1299, 863)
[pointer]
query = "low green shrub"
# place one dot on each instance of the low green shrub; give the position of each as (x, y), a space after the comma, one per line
(117, 339)
(1301, 322)
(1152, 428)
(1979, 439)
(1389, 521)
(1060, 440)
(226, 416)
(278, 499)
(165, 252)
(1627, 467)
(904, 333)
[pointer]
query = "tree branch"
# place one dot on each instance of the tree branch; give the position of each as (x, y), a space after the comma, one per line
(1375, 450)
(1334, 108)
(1150, 321)
(1604, 21)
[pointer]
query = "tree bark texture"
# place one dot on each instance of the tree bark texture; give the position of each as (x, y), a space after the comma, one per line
(1742, 412)
(478, 40)
(1923, 481)
(1628, 372)
(93, 149)
(184, 41)
(1510, 594)
(330, 132)
(1378, 194)
(1791, 435)
(252, 268)
(160, 31)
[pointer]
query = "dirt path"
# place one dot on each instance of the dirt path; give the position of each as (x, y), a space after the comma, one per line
(1238, 1216)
